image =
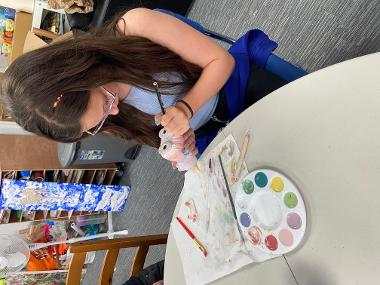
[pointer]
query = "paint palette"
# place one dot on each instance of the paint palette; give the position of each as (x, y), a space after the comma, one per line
(270, 211)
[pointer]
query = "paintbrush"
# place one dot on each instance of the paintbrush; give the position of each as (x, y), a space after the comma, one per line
(35, 246)
(155, 85)
(192, 236)
(230, 197)
(243, 152)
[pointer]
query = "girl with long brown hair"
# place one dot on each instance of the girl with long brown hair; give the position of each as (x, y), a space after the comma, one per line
(102, 81)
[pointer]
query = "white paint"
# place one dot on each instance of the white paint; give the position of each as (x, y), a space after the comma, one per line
(267, 210)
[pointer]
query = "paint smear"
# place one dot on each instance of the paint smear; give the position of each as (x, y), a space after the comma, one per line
(254, 235)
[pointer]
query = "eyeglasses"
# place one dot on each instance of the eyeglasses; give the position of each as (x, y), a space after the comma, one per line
(110, 100)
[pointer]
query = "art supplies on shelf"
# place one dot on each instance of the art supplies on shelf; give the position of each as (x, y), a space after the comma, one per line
(48, 242)
(239, 220)
(90, 220)
(35, 246)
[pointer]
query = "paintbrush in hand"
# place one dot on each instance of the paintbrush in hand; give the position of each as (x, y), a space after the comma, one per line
(155, 85)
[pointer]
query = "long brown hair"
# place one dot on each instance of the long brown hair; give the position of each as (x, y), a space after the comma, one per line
(73, 67)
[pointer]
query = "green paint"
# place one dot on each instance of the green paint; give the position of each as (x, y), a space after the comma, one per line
(248, 186)
(261, 179)
(290, 200)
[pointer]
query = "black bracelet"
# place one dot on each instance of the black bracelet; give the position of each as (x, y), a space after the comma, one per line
(188, 107)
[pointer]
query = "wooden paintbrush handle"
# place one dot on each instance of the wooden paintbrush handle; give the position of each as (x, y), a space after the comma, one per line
(243, 153)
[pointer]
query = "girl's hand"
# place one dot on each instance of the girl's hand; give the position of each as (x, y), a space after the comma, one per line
(189, 144)
(175, 121)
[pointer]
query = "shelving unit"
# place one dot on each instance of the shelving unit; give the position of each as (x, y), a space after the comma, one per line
(88, 174)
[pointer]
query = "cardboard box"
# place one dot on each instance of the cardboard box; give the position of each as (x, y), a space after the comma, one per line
(33, 41)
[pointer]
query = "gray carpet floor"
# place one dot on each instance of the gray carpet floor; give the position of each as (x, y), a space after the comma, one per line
(311, 34)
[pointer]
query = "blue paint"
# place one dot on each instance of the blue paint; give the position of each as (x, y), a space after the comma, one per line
(261, 179)
(62, 196)
(245, 220)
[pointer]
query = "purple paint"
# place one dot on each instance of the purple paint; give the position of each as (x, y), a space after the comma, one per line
(245, 220)
(294, 221)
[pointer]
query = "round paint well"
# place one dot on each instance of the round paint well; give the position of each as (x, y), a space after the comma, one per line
(267, 210)
(245, 220)
(290, 200)
(294, 221)
(271, 242)
(286, 237)
(261, 179)
(248, 186)
(242, 202)
(254, 235)
(277, 184)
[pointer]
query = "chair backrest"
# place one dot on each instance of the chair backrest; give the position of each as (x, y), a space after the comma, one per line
(112, 247)
(278, 66)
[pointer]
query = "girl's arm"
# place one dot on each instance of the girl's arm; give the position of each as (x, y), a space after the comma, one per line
(216, 63)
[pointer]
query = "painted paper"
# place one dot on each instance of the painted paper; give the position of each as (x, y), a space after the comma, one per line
(34, 195)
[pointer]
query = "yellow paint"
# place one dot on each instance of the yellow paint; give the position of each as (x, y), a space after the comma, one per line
(277, 184)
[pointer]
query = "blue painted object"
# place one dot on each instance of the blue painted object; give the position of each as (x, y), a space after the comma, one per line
(34, 195)
(25, 174)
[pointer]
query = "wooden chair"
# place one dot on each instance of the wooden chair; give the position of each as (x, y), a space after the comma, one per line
(112, 246)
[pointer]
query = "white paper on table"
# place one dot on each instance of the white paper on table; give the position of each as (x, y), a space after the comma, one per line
(216, 227)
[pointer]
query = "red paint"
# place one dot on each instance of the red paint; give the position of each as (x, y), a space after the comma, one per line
(271, 242)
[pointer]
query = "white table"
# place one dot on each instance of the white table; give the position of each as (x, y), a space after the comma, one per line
(323, 131)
